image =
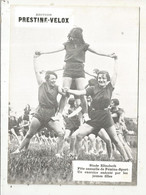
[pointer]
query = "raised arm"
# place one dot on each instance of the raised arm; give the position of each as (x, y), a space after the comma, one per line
(114, 76)
(36, 70)
(101, 54)
(61, 48)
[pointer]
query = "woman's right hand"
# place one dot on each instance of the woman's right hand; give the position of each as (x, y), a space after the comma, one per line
(113, 55)
(65, 89)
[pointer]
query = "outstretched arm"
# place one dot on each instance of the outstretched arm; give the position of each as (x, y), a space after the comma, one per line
(61, 91)
(101, 54)
(61, 48)
(36, 70)
(114, 76)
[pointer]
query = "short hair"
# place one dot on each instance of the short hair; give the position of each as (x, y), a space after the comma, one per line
(115, 101)
(71, 101)
(92, 82)
(48, 73)
(76, 33)
(104, 72)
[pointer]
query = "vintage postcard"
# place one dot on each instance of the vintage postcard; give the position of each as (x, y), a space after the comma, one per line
(71, 79)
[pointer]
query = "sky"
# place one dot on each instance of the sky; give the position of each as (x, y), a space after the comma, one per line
(107, 30)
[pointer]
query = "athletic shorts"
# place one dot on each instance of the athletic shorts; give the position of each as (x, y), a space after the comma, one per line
(44, 115)
(72, 124)
(74, 71)
(26, 117)
(100, 119)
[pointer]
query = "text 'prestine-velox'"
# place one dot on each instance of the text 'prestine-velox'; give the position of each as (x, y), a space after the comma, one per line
(43, 20)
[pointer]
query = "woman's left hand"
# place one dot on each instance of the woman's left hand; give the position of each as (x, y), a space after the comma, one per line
(113, 55)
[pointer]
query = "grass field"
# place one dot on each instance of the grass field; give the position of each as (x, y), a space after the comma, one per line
(38, 165)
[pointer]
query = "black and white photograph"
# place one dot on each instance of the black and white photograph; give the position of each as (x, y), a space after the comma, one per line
(72, 94)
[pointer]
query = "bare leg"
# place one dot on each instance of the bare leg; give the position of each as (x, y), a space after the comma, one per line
(80, 84)
(92, 139)
(78, 102)
(83, 130)
(56, 127)
(86, 144)
(21, 133)
(13, 132)
(67, 139)
(104, 136)
(67, 135)
(72, 144)
(34, 126)
(99, 146)
(66, 83)
(126, 147)
(103, 145)
(113, 135)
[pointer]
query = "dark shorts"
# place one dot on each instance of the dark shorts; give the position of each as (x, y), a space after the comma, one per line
(44, 115)
(100, 119)
(72, 124)
(74, 71)
(26, 117)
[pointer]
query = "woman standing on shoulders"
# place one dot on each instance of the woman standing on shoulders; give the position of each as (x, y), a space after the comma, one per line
(75, 48)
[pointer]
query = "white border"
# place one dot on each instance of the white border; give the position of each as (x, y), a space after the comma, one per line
(74, 189)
